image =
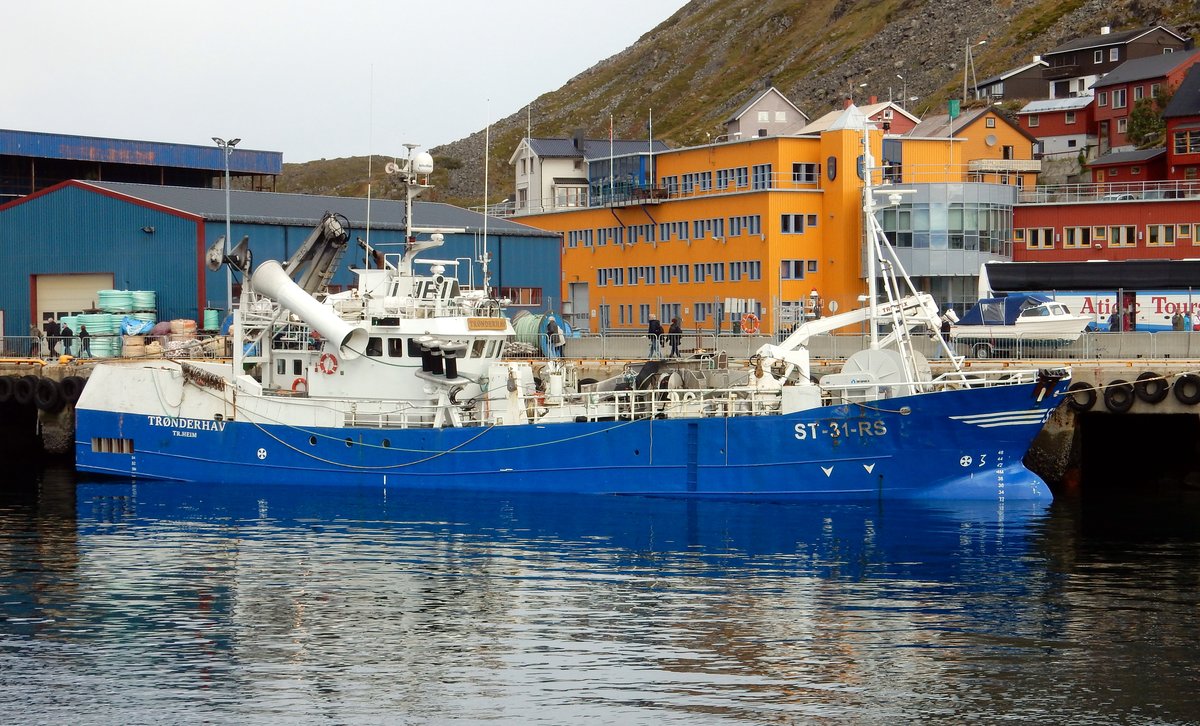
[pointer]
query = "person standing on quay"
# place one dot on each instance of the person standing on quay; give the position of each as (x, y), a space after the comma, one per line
(52, 331)
(85, 342)
(38, 337)
(67, 335)
(654, 333)
(674, 333)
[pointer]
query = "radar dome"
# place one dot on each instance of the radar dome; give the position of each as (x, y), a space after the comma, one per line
(423, 163)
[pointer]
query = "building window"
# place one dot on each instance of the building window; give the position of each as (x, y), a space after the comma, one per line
(1187, 142)
(791, 269)
(1160, 235)
(806, 173)
(521, 295)
(1154, 89)
(781, 117)
(1039, 238)
(1114, 54)
(1122, 236)
(1069, 117)
(1122, 125)
(1118, 96)
(750, 270)
(1098, 57)
(762, 176)
(1099, 233)
(1102, 98)
(1135, 170)
(764, 116)
(791, 223)
(811, 220)
(990, 122)
(1076, 238)
(1137, 93)
(1183, 232)
(1034, 120)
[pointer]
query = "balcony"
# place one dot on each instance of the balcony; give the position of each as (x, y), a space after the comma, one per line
(1003, 166)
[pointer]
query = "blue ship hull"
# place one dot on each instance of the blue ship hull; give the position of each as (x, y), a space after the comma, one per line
(965, 444)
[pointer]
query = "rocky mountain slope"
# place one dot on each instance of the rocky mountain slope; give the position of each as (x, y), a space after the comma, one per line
(710, 57)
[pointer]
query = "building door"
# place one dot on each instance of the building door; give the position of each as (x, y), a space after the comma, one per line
(59, 295)
(575, 311)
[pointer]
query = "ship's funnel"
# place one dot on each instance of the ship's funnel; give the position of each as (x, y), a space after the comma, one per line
(270, 280)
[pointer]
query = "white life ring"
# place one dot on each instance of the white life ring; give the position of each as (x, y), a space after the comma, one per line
(749, 323)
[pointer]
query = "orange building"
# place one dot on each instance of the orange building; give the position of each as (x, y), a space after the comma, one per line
(758, 226)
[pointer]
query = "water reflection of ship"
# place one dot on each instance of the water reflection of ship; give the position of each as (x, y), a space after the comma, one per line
(827, 537)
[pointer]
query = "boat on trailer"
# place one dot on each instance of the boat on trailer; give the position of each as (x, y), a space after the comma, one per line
(1017, 320)
(403, 382)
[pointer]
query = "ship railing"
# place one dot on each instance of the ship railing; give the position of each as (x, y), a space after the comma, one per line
(390, 415)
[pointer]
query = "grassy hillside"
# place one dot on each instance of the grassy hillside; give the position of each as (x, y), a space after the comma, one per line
(706, 60)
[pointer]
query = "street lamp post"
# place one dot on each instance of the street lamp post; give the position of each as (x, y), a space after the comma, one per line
(227, 149)
(904, 93)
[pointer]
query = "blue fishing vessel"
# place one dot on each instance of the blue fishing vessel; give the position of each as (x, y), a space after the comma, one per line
(404, 382)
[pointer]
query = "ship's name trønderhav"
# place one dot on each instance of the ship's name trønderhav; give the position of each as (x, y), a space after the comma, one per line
(187, 424)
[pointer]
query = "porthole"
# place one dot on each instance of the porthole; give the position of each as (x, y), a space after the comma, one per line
(349, 443)
(387, 443)
(312, 440)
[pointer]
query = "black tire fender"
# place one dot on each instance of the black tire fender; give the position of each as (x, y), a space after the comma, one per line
(47, 396)
(1151, 387)
(72, 388)
(1118, 396)
(23, 389)
(1081, 396)
(1187, 389)
(6, 388)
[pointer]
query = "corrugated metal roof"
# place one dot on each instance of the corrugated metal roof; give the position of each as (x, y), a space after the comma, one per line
(1046, 105)
(140, 153)
(1141, 69)
(307, 209)
(593, 148)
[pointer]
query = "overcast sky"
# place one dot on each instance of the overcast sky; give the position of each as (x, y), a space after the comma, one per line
(310, 79)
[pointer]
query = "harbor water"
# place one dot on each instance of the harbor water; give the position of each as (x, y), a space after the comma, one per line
(161, 603)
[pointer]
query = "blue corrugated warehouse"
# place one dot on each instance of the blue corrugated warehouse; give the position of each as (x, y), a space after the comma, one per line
(31, 161)
(59, 245)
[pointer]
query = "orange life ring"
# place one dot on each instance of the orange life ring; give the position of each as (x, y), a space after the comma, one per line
(328, 364)
(298, 384)
(749, 323)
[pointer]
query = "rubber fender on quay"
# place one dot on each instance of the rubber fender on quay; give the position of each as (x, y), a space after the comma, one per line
(6, 388)
(1187, 389)
(72, 388)
(47, 396)
(1081, 396)
(23, 389)
(1151, 387)
(1118, 396)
